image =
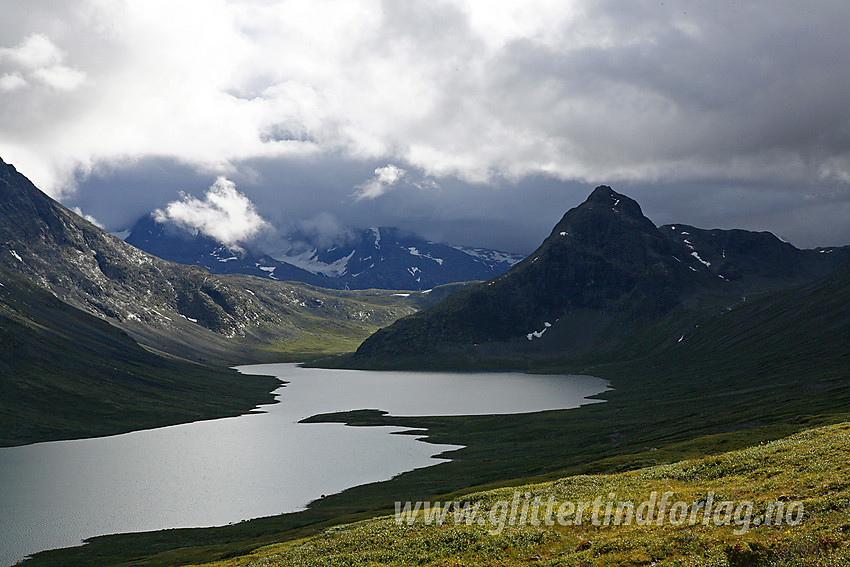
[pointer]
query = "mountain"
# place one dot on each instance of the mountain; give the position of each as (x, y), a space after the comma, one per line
(181, 310)
(388, 258)
(756, 257)
(376, 258)
(67, 374)
(170, 242)
(604, 271)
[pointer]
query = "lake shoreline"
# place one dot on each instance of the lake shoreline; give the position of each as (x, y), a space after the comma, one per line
(318, 385)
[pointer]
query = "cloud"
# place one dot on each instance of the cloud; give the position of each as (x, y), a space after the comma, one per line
(384, 180)
(34, 52)
(661, 97)
(89, 218)
(12, 81)
(323, 229)
(41, 59)
(62, 78)
(585, 89)
(224, 214)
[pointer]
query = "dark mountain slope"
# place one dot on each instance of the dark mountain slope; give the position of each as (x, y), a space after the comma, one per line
(604, 259)
(793, 334)
(182, 310)
(753, 257)
(603, 274)
(67, 374)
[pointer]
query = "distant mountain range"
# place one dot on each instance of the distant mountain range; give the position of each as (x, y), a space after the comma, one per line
(376, 258)
(177, 244)
(604, 272)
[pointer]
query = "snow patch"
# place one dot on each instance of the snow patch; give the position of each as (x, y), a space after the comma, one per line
(563, 234)
(537, 334)
(377, 233)
(268, 269)
(490, 255)
(701, 261)
(16, 255)
(415, 252)
(308, 261)
(401, 294)
(161, 315)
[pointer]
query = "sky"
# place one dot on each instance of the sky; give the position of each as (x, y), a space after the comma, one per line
(476, 122)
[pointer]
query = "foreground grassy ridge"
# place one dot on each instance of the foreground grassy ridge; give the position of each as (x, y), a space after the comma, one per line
(812, 467)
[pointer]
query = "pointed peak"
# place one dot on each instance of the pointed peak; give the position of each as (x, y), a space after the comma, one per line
(603, 192)
(604, 196)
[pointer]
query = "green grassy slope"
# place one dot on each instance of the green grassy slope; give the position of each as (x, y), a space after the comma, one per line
(66, 374)
(811, 468)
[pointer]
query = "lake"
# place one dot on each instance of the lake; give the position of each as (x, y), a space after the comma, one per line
(220, 471)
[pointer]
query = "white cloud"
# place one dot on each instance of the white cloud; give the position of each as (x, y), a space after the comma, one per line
(480, 90)
(34, 52)
(62, 78)
(224, 214)
(12, 81)
(41, 59)
(89, 218)
(384, 180)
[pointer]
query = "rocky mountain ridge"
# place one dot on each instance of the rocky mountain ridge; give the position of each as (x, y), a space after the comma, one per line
(375, 258)
(604, 270)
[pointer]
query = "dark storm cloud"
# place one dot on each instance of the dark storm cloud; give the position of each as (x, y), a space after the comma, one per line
(476, 122)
